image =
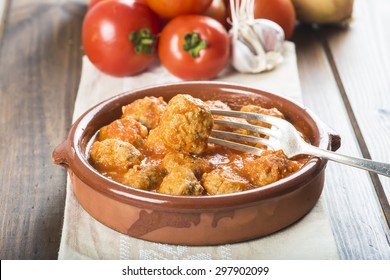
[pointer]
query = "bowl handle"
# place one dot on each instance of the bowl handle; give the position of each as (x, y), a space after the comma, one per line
(334, 140)
(60, 155)
(334, 137)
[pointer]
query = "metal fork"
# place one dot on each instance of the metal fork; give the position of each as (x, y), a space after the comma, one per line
(282, 135)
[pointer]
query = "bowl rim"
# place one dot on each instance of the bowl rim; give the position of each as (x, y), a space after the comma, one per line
(77, 162)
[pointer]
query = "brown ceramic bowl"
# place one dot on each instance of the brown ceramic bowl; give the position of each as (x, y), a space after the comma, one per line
(189, 220)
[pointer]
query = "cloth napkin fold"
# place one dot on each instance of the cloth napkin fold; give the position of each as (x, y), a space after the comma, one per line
(83, 237)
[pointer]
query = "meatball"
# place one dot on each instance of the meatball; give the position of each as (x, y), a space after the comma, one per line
(197, 165)
(114, 155)
(186, 124)
(155, 144)
(270, 167)
(260, 110)
(181, 181)
(216, 104)
(223, 181)
(219, 105)
(147, 110)
(143, 177)
(126, 129)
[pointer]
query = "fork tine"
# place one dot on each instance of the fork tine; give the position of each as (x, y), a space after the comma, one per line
(248, 115)
(222, 136)
(260, 129)
(236, 146)
(241, 137)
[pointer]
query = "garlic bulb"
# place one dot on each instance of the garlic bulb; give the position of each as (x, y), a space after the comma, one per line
(270, 33)
(256, 43)
(324, 11)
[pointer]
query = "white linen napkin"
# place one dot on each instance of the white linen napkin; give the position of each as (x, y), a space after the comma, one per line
(83, 237)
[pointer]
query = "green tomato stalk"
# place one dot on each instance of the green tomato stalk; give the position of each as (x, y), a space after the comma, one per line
(144, 41)
(193, 44)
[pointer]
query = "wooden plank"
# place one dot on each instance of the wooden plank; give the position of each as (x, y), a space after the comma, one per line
(3, 12)
(39, 74)
(357, 221)
(363, 62)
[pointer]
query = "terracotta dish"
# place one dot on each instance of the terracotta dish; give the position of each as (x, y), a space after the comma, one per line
(195, 220)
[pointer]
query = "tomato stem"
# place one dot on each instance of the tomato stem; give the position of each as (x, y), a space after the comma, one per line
(193, 44)
(144, 41)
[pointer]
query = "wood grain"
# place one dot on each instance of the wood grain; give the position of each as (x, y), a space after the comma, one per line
(344, 76)
(357, 221)
(3, 12)
(363, 62)
(39, 71)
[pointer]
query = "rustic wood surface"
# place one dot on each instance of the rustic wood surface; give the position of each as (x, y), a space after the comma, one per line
(344, 78)
(40, 60)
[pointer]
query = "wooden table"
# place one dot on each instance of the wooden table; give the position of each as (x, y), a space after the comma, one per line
(344, 78)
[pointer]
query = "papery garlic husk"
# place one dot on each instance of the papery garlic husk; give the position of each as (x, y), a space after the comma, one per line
(245, 61)
(257, 47)
(270, 34)
(324, 11)
(256, 43)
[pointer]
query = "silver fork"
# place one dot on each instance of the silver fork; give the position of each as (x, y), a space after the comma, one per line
(282, 135)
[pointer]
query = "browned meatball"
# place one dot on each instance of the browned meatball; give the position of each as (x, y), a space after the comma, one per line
(222, 181)
(181, 181)
(216, 104)
(155, 144)
(186, 124)
(126, 129)
(260, 110)
(147, 110)
(219, 105)
(143, 177)
(176, 159)
(114, 155)
(270, 167)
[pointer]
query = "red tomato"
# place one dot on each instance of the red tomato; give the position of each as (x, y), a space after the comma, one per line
(280, 11)
(119, 38)
(218, 11)
(171, 9)
(94, 2)
(194, 47)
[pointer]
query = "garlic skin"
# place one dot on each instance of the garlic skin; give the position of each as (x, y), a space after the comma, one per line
(324, 11)
(244, 61)
(257, 44)
(270, 34)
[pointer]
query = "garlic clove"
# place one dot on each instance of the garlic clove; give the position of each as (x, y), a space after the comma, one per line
(270, 34)
(245, 61)
(256, 43)
(273, 59)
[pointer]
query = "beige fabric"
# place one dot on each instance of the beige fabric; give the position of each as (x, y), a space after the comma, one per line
(85, 238)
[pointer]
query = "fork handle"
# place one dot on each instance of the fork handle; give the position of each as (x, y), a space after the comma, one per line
(366, 164)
